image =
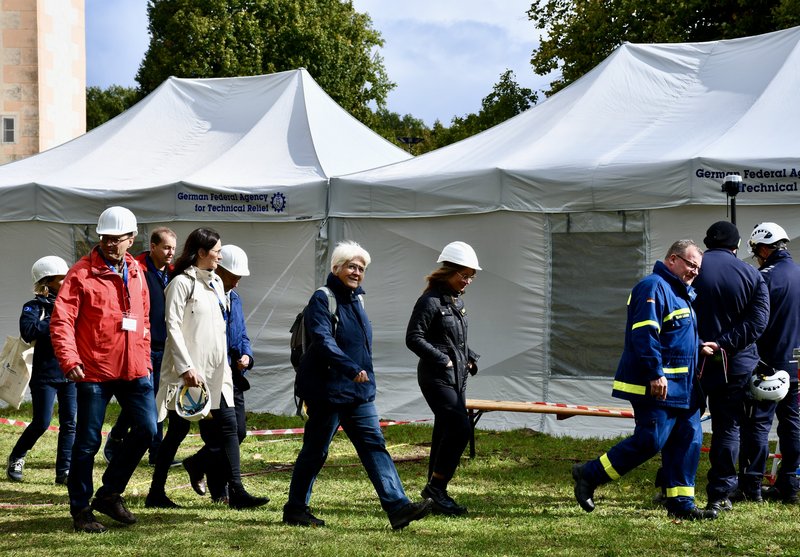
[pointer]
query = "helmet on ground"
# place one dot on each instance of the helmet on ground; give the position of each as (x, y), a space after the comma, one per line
(459, 253)
(234, 260)
(769, 387)
(48, 266)
(116, 221)
(766, 233)
(194, 403)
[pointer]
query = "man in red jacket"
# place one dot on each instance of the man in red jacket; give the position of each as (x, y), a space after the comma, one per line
(100, 330)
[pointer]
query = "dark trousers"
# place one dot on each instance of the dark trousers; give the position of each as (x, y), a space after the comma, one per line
(451, 428)
(43, 397)
(176, 432)
(209, 459)
(727, 405)
(755, 441)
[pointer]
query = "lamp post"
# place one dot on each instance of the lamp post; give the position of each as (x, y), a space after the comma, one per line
(731, 187)
(410, 142)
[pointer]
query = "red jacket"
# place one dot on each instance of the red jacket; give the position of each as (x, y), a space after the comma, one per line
(86, 326)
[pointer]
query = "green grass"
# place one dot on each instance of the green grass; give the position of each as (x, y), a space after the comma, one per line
(518, 490)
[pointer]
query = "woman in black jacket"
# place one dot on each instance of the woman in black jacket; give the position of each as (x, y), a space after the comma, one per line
(437, 333)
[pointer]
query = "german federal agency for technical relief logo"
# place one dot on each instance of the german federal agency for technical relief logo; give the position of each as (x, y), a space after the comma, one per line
(209, 203)
(757, 180)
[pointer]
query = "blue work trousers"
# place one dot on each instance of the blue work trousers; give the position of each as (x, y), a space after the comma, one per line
(727, 405)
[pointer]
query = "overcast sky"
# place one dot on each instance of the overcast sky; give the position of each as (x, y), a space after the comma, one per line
(444, 55)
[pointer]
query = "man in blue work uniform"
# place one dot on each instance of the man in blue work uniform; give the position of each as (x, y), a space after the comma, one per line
(732, 312)
(782, 335)
(656, 374)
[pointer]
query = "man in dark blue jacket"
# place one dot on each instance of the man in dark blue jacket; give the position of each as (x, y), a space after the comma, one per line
(781, 337)
(732, 311)
(656, 374)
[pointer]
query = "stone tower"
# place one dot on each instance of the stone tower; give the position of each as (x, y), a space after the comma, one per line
(42, 75)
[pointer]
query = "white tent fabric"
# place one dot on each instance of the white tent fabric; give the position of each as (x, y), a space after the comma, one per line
(248, 156)
(568, 205)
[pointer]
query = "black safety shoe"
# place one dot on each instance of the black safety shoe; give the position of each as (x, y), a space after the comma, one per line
(442, 502)
(301, 518)
(720, 505)
(740, 496)
(584, 490)
(112, 505)
(776, 494)
(159, 500)
(693, 514)
(401, 518)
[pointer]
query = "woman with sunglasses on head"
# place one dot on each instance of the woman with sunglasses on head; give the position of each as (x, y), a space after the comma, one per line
(196, 353)
(437, 333)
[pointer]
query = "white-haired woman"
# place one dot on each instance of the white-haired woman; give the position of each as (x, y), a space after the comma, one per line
(337, 382)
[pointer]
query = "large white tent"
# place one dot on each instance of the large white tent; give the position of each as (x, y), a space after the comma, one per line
(248, 156)
(568, 205)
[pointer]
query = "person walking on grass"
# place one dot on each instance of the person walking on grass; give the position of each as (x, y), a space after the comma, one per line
(656, 374)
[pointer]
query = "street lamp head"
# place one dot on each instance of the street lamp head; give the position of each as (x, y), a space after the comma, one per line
(732, 184)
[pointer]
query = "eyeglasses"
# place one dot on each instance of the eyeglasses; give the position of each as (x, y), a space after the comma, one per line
(465, 278)
(693, 266)
(353, 267)
(114, 240)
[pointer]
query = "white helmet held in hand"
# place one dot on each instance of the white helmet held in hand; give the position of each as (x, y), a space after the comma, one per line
(769, 387)
(766, 233)
(194, 403)
(116, 221)
(234, 260)
(48, 266)
(460, 253)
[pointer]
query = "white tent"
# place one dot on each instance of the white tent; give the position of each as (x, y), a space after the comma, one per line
(568, 205)
(248, 156)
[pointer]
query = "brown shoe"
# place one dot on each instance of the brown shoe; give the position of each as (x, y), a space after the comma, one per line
(84, 521)
(113, 506)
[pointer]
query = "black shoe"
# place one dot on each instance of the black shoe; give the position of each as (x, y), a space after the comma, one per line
(113, 506)
(301, 518)
(196, 475)
(239, 499)
(720, 505)
(84, 521)
(693, 514)
(776, 494)
(442, 502)
(740, 496)
(401, 518)
(584, 491)
(156, 500)
(111, 448)
(61, 479)
(15, 468)
(660, 499)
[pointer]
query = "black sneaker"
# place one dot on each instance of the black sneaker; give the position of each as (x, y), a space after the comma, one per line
(442, 502)
(160, 500)
(402, 517)
(301, 518)
(693, 514)
(15, 468)
(84, 521)
(113, 506)
(720, 505)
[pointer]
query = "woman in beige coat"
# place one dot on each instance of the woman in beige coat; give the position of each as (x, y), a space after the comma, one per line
(195, 353)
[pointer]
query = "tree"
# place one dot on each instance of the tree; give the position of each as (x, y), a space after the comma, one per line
(225, 38)
(103, 105)
(579, 34)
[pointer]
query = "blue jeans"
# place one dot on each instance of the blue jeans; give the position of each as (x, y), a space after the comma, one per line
(43, 396)
(360, 422)
(136, 399)
(120, 429)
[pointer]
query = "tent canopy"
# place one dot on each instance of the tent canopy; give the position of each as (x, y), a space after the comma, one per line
(243, 148)
(653, 126)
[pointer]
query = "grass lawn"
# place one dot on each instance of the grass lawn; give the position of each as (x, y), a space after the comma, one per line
(518, 491)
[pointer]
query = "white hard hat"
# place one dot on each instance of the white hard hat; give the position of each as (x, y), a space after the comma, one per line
(194, 403)
(769, 387)
(766, 233)
(116, 221)
(48, 266)
(234, 260)
(460, 253)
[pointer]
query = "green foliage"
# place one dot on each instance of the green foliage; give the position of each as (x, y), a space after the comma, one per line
(103, 104)
(224, 38)
(518, 490)
(579, 34)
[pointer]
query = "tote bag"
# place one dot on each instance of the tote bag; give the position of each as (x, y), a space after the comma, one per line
(16, 360)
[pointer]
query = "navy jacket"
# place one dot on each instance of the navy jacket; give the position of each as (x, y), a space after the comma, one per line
(732, 310)
(155, 285)
(238, 341)
(34, 325)
(437, 333)
(660, 341)
(782, 334)
(331, 363)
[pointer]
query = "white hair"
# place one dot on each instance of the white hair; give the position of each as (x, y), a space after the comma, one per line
(347, 251)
